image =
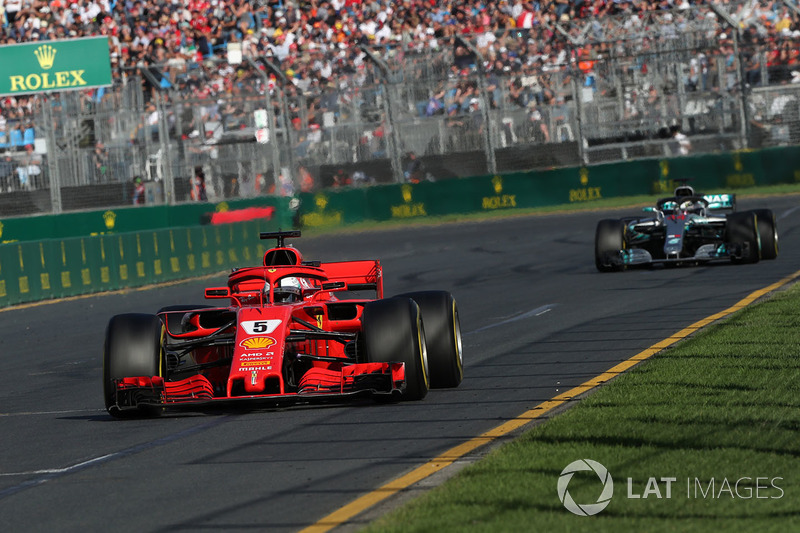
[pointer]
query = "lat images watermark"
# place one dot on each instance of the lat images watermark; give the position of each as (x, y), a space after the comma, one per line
(743, 488)
(586, 509)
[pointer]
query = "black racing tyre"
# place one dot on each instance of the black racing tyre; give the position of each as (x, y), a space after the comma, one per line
(742, 229)
(393, 332)
(609, 239)
(442, 336)
(768, 233)
(132, 348)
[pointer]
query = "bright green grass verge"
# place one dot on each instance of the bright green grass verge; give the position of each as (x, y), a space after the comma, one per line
(593, 205)
(723, 405)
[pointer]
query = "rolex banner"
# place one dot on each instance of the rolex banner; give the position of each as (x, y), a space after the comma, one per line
(46, 66)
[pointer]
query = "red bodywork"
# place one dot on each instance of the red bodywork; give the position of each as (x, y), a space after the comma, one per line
(259, 347)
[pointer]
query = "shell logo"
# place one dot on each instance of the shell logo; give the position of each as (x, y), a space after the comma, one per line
(257, 342)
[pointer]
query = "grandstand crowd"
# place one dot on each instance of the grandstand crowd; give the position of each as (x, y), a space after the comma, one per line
(316, 42)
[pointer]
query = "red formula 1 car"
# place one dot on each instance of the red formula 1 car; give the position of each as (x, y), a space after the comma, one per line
(291, 332)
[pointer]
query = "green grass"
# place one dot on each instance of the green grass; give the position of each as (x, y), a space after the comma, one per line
(724, 404)
(593, 205)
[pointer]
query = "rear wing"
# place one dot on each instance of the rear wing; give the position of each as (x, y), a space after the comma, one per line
(721, 201)
(356, 275)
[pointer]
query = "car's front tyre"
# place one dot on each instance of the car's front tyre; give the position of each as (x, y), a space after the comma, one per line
(132, 349)
(609, 240)
(393, 332)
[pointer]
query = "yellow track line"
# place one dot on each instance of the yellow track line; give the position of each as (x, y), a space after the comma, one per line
(343, 514)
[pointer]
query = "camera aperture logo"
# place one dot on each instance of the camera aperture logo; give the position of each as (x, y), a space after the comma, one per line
(585, 509)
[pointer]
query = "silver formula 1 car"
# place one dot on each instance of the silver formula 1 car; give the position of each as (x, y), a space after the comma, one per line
(687, 228)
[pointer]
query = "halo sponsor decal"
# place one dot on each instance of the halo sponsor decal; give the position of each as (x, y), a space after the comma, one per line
(254, 343)
(256, 327)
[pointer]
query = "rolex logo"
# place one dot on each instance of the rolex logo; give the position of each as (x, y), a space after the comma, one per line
(46, 55)
(406, 192)
(110, 218)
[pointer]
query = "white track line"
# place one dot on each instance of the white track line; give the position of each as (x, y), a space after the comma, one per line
(522, 316)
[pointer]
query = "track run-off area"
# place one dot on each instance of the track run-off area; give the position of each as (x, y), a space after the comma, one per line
(538, 322)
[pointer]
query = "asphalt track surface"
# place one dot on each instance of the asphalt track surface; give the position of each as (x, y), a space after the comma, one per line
(537, 320)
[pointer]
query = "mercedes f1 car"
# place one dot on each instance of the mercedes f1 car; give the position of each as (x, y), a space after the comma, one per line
(687, 229)
(291, 331)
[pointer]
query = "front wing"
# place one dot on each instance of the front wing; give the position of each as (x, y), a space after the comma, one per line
(318, 384)
(704, 254)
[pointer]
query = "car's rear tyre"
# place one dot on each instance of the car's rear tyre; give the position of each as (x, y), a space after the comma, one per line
(609, 239)
(742, 229)
(768, 233)
(393, 332)
(132, 349)
(442, 336)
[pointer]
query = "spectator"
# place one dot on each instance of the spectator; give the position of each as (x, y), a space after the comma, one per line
(537, 129)
(198, 186)
(341, 179)
(7, 174)
(562, 120)
(681, 144)
(100, 163)
(415, 169)
(29, 169)
(138, 191)
(306, 179)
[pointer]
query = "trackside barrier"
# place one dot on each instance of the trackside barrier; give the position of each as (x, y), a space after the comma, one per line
(45, 257)
(545, 188)
(131, 219)
(56, 268)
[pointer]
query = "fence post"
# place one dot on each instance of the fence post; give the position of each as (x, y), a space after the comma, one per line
(165, 160)
(393, 140)
(52, 157)
(273, 141)
(488, 146)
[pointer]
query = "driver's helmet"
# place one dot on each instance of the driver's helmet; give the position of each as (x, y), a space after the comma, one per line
(289, 289)
(286, 294)
(688, 205)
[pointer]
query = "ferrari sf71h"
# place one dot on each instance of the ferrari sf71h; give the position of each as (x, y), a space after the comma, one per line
(687, 229)
(290, 331)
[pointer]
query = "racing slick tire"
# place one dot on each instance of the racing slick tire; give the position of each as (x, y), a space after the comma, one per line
(742, 228)
(442, 336)
(132, 348)
(393, 332)
(609, 239)
(768, 232)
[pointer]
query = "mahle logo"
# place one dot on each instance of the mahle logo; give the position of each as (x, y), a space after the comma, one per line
(585, 509)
